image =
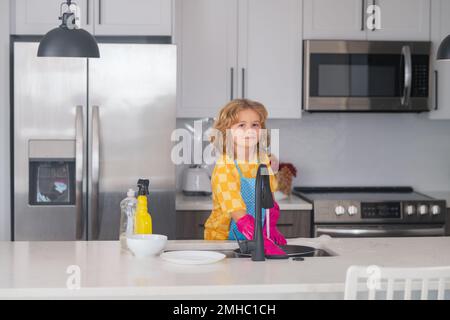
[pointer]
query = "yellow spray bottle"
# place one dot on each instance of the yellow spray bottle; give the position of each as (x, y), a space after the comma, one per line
(143, 220)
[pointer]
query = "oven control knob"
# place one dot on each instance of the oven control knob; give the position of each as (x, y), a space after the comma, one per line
(423, 209)
(352, 210)
(435, 210)
(410, 210)
(339, 210)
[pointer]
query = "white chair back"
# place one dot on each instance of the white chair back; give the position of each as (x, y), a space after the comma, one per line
(392, 280)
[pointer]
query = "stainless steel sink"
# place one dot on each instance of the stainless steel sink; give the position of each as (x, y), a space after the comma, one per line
(291, 250)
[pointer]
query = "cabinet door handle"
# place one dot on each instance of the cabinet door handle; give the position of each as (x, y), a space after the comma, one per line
(373, 12)
(99, 11)
(285, 224)
(436, 92)
(87, 12)
(363, 14)
(231, 83)
(243, 83)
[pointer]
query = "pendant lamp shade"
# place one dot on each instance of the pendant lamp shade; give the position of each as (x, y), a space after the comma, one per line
(444, 49)
(63, 42)
(68, 40)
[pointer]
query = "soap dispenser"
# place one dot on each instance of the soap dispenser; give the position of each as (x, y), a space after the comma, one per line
(143, 220)
(127, 213)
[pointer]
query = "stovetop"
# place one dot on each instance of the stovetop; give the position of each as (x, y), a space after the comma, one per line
(398, 204)
(361, 193)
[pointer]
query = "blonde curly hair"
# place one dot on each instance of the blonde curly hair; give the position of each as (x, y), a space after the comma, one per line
(228, 116)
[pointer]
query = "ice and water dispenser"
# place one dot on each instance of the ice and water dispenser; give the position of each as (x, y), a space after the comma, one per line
(51, 172)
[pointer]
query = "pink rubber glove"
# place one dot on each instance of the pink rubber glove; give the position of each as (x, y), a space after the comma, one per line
(275, 235)
(246, 225)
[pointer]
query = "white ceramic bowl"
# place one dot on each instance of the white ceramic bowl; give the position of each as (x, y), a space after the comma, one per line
(146, 245)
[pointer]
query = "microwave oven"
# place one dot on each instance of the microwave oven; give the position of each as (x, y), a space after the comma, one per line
(366, 76)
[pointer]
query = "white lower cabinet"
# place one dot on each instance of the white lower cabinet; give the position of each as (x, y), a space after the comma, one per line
(239, 48)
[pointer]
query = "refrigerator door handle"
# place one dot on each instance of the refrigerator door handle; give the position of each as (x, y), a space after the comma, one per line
(95, 172)
(79, 169)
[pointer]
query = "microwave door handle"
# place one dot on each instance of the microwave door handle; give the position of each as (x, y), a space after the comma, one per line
(406, 53)
(95, 172)
(79, 169)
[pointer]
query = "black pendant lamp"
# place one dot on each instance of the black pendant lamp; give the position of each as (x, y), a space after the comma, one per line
(68, 40)
(444, 49)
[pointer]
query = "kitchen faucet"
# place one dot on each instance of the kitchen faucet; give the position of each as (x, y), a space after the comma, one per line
(263, 200)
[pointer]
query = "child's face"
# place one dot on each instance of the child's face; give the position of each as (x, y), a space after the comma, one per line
(247, 130)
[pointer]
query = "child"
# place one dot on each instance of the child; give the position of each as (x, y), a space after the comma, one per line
(239, 140)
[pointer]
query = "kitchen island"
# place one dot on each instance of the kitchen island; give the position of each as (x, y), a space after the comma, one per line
(101, 270)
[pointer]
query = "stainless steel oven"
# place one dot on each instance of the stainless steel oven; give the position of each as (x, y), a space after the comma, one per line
(379, 230)
(364, 76)
(345, 212)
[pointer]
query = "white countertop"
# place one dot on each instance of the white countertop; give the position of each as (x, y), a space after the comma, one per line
(204, 203)
(38, 269)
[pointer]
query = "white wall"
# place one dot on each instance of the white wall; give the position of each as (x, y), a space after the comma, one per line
(4, 123)
(332, 149)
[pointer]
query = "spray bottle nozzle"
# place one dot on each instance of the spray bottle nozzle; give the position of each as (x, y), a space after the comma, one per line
(143, 187)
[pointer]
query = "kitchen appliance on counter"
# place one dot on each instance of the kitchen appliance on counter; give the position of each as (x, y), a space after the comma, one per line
(84, 131)
(366, 76)
(196, 181)
(374, 212)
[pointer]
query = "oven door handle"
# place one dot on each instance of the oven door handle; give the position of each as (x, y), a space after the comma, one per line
(368, 232)
(406, 53)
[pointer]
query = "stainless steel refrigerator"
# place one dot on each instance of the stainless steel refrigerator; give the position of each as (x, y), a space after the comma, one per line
(84, 131)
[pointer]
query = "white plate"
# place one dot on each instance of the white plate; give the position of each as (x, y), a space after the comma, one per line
(192, 257)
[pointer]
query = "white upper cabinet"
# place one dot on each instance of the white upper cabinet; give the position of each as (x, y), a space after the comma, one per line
(334, 19)
(440, 28)
(402, 20)
(238, 48)
(270, 64)
(37, 17)
(133, 17)
(348, 19)
(206, 35)
(101, 17)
